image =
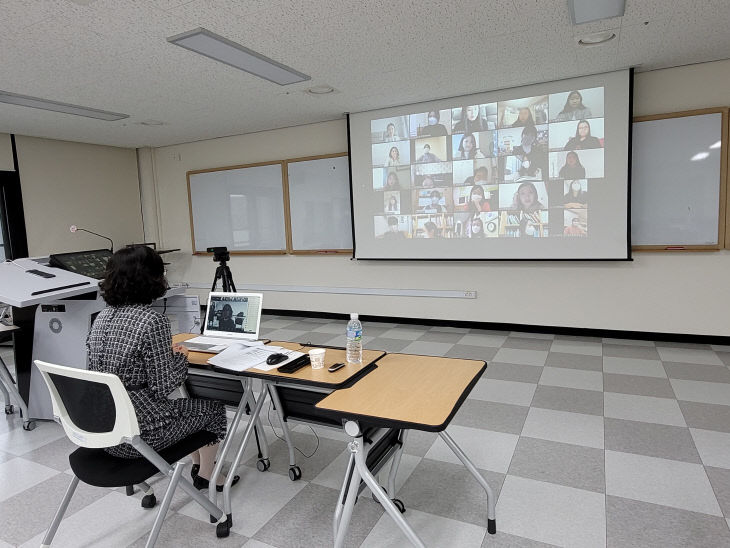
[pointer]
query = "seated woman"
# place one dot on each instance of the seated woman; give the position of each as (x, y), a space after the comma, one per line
(131, 340)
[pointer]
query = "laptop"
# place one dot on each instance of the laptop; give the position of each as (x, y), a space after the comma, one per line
(229, 318)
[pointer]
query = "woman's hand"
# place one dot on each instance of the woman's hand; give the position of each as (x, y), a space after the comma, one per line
(181, 349)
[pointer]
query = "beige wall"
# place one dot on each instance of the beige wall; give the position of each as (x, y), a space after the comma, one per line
(92, 186)
(6, 153)
(663, 292)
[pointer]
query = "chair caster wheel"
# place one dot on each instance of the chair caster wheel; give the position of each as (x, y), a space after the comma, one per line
(295, 473)
(9, 409)
(130, 490)
(222, 530)
(28, 426)
(492, 526)
(399, 504)
(262, 465)
(149, 501)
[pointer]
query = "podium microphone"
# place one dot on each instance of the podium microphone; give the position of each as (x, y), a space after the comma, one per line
(74, 228)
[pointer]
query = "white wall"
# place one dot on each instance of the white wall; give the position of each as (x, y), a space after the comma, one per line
(92, 186)
(682, 293)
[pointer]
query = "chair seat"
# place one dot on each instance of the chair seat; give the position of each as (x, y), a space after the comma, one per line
(99, 468)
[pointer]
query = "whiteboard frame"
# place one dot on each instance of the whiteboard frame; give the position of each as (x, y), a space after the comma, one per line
(290, 245)
(722, 229)
(285, 192)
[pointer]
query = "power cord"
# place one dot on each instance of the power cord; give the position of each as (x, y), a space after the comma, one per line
(268, 416)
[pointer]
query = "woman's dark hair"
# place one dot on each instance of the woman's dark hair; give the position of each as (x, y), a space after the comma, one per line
(577, 128)
(474, 148)
(397, 152)
(568, 108)
(530, 130)
(134, 275)
(577, 159)
(436, 112)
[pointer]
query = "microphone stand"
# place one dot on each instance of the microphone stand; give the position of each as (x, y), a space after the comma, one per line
(111, 243)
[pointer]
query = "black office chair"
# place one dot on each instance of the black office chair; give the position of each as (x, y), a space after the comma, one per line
(96, 412)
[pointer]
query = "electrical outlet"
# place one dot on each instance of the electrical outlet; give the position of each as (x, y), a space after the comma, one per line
(470, 294)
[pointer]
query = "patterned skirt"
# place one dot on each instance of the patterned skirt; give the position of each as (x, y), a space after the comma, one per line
(179, 419)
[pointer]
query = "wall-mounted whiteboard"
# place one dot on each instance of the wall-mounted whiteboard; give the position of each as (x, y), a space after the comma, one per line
(678, 172)
(319, 204)
(241, 208)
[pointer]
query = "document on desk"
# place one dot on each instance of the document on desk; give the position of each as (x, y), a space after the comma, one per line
(216, 344)
(239, 357)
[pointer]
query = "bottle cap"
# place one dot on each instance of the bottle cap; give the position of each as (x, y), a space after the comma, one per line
(353, 316)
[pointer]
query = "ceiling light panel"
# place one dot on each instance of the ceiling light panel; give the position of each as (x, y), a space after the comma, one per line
(55, 106)
(221, 49)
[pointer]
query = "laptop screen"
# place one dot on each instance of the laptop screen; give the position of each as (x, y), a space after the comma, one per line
(233, 315)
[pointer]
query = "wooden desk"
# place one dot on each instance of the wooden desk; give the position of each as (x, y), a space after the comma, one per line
(405, 391)
(293, 394)
(416, 392)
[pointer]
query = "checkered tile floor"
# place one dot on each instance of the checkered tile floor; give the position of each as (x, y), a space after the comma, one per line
(587, 442)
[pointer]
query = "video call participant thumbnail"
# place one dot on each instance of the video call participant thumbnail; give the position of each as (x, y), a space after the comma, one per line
(576, 194)
(392, 227)
(470, 119)
(583, 138)
(434, 124)
(576, 223)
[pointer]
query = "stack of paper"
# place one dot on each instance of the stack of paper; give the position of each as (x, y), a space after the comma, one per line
(238, 357)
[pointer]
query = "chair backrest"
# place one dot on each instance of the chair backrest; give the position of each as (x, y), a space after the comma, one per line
(93, 408)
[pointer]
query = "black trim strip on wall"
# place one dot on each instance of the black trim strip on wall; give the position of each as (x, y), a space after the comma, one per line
(550, 329)
(16, 239)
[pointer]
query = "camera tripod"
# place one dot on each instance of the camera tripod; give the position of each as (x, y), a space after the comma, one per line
(223, 273)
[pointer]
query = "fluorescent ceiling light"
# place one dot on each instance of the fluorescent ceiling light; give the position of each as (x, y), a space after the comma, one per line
(66, 108)
(221, 49)
(716, 145)
(585, 11)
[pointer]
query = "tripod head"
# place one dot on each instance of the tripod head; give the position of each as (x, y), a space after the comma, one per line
(220, 254)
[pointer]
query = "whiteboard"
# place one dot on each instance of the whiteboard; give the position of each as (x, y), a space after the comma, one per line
(676, 181)
(319, 203)
(239, 208)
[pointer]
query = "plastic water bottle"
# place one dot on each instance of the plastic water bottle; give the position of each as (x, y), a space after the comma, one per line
(354, 339)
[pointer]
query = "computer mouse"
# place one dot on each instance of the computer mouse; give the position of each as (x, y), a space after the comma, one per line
(276, 358)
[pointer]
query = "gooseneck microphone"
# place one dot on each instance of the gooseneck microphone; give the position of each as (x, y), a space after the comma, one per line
(74, 228)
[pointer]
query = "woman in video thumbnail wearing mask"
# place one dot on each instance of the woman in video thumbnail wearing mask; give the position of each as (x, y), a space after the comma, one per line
(572, 169)
(477, 200)
(471, 121)
(524, 118)
(390, 135)
(583, 138)
(574, 109)
(434, 128)
(525, 199)
(468, 147)
(576, 197)
(226, 322)
(476, 227)
(393, 157)
(530, 154)
(392, 183)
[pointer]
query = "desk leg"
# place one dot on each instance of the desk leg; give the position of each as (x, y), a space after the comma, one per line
(223, 529)
(295, 472)
(491, 500)
(359, 451)
(263, 444)
(7, 384)
(342, 499)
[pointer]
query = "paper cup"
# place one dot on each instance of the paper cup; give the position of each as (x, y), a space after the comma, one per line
(316, 356)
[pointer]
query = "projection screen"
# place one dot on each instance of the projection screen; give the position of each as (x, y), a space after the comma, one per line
(535, 172)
